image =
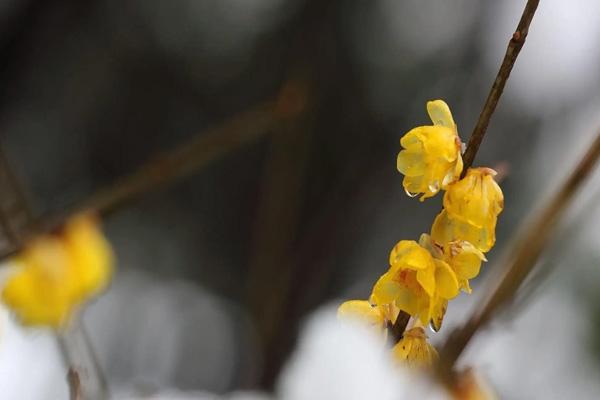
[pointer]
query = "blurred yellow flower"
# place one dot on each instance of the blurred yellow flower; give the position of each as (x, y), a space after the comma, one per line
(430, 159)
(56, 273)
(414, 350)
(363, 312)
(415, 281)
(471, 209)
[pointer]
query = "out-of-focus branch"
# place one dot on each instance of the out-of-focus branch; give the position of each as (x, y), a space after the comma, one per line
(520, 259)
(74, 384)
(512, 52)
(180, 162)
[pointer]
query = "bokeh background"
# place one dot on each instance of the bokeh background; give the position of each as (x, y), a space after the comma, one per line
(218, 270)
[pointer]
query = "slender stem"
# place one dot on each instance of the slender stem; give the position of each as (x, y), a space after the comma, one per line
(521, 258)
(512, 52)
(397, 328)
(190, 156)
(201, 150)
(85, 376)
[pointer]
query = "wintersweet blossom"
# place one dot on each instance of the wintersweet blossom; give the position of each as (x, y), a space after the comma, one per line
(464, 260)
(471, 209)
(416, 281)
(430, 159)
(57, 273)
(414, 350)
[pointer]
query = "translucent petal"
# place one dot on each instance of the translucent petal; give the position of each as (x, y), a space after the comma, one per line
(362, 311)
(426, 278)
(386, 289)
(408, 254)
(414, 185)
(413, 139)
(409, 301)
(438, 311)
(446, 281)
(440, 114)
(411, 163)
(467, 262)
(447, 229)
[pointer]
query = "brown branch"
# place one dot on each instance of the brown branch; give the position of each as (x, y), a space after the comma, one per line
(521, 259)
(74, 384)
(185, 159)
(180, 162)
(512, 52)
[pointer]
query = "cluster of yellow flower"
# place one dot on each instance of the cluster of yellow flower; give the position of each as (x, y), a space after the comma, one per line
(56, 273)
(424, 275)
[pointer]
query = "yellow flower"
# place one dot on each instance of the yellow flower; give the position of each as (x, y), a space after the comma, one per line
(471, 209)
(57, 273)
(414, 350)
(464, 260)
(363, 312)
(430, 159)
(414, 279)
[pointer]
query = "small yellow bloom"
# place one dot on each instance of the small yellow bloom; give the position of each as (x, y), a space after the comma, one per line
(471, 209)
(57, 273)
(430, 159)
(476, 199)
(414, 279)
(414, 350)
(465, 260)
(363, 312)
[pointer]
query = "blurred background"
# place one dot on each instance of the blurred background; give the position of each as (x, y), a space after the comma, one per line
(217, 271)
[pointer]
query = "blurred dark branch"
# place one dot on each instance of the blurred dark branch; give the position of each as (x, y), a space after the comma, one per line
(187, 158)
(512, 52)
(191, 156)
(271, 268)
(521, 258)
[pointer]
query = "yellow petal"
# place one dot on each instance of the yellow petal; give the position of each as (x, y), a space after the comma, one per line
(408, 254)
(362, 311)
(91, 254)
(411, 163)
(467, 260)
(440, 114)
(414, 350)
(438, 310)
(386, 289)
(446, 282)
(427, 279)
(447, 229)
(39, 290)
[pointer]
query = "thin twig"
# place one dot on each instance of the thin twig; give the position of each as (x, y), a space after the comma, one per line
(521, 259)
(191, 156)
(514, 47)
